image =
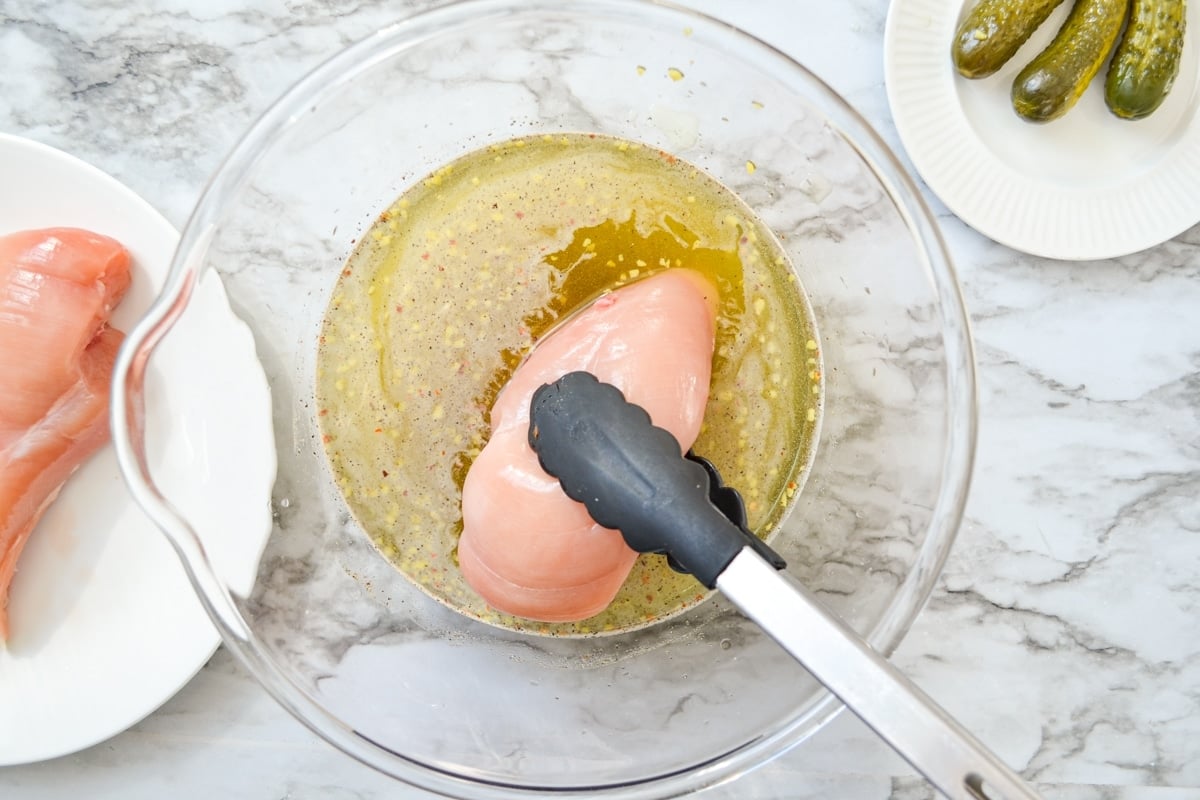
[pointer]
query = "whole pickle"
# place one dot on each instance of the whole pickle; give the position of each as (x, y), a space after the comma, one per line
(1147, 59)
(994, 31)
(1054, 81)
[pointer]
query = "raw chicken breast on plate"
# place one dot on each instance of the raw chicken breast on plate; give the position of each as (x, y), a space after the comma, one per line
(58, 287)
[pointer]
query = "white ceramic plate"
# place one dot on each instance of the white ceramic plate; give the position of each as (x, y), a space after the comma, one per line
(105, 626)
(1085, 186)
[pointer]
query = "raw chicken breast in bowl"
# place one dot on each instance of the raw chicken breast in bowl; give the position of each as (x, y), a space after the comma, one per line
(526, 547)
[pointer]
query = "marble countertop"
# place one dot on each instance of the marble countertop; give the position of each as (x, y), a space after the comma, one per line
(1064, 629)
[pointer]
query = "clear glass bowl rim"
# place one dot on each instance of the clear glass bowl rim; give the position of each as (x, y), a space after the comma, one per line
(129, 372)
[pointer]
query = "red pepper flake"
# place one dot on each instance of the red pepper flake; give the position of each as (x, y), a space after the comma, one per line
(327, 438)
(424, 256)
(346, 273)
(744, 240)
(520, 215)
(384, 217)
(379, 430)
(399, 309)
(649, 598)
(384, 471)
(322, 412)
(453, 242)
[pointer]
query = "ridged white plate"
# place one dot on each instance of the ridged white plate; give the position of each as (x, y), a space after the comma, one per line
(1086, 186)
(105, 625)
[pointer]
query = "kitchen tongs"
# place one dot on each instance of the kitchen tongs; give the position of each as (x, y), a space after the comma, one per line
(631, 477)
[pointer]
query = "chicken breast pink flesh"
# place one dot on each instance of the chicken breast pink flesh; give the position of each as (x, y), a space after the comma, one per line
(528, 549)
(58, 288)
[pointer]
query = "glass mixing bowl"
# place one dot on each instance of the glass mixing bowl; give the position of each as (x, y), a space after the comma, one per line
(441, 701)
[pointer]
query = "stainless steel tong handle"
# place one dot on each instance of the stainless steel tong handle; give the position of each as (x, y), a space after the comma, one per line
(880, 695)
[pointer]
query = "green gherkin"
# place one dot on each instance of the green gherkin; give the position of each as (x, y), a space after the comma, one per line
(1147, 60)
(1055, 80)
(993, 32)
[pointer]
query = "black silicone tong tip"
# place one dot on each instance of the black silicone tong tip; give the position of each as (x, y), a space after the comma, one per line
(632, 477)
(727, 499)
(729, 502)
